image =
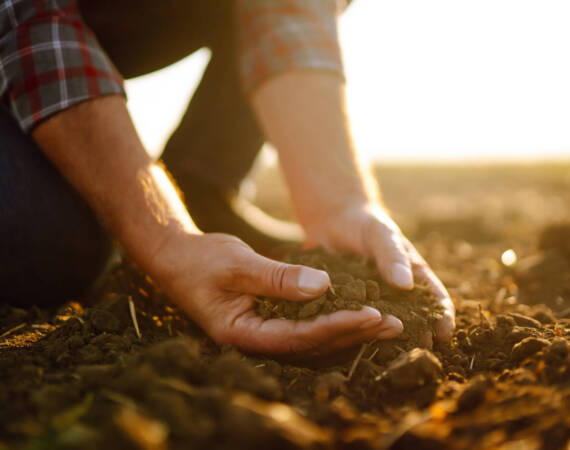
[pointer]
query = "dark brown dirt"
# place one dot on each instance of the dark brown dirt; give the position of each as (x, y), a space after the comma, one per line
(355, 283)
(80, 377)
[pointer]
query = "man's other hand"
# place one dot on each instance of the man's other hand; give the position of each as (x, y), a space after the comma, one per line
(369, 230)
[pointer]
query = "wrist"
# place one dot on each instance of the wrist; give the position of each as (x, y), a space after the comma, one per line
(326, 198)
(171, 248)
(333, 211)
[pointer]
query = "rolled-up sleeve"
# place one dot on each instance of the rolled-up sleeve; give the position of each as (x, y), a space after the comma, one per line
(49, 60)
(277, 36)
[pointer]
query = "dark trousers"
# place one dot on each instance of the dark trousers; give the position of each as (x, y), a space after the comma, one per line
(51, 245)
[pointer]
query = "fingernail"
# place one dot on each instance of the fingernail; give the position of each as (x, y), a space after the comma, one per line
(402, 276)
(391, 327)
(312, 281)
(389, 333)
(371, 323)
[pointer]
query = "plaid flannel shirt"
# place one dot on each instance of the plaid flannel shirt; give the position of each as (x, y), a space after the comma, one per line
(281, 35)
(50, 60)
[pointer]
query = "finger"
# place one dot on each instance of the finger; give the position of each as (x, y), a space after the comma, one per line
(390, 328)
(259, 275)
(444, 327)
(278, 336)
(390, 255)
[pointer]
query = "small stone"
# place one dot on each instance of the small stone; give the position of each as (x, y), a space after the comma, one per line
(372, 290)
(474, 393)
(505, 321)
(544, 317)
(525, 321)
(527, 347)
(413, 369)
(559, 348)
(517, 334)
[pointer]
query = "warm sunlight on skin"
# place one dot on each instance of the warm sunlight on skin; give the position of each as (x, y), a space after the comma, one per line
(439, 80)
(155, 181)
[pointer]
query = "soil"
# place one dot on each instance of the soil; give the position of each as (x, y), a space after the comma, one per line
(355, 282)
(84, 376)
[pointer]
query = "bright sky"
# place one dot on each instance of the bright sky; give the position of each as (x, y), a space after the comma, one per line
(437, 79)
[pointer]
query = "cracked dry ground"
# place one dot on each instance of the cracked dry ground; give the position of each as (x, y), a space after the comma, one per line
(81, 377)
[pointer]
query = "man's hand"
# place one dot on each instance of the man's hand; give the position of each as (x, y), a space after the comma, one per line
(374, 234)
(335, 199)
(216, 277)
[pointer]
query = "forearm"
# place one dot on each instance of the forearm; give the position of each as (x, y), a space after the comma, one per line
(304, 116)
(95, 146)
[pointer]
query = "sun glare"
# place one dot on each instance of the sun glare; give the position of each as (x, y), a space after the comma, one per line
(427, 81)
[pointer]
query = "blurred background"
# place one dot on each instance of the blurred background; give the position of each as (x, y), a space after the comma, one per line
(438, 81)
(463, 108)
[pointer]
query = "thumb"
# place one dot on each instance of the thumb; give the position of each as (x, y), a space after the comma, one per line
(391, 257)
(264, 276)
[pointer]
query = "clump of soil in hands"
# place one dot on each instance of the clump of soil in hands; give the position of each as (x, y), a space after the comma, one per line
(357, 283)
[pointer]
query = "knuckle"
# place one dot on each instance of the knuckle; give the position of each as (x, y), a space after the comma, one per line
(277, 276)
(235, 266)
(227, 241)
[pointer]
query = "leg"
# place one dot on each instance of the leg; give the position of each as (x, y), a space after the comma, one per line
(212, 151)
(51, 246)
(215, 145)
(218, 138)
(141, 36)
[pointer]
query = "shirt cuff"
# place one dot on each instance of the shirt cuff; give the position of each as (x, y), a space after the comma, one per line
(277, 36)
(50, 62)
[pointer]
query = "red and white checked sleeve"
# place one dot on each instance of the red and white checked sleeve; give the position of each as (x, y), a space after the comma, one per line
(49, 60)
(277, 36)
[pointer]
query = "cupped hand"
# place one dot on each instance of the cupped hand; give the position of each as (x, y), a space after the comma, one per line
(215, 278)
(368, 230)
